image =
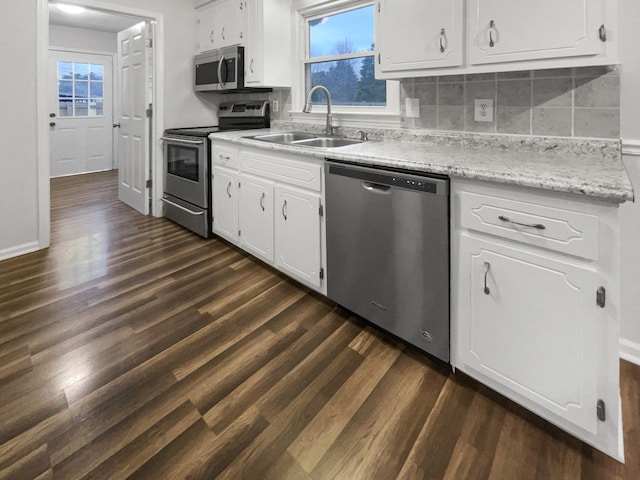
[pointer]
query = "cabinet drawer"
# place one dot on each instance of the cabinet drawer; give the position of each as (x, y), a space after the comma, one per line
(565, 231)
(301, 173)
(225, 156)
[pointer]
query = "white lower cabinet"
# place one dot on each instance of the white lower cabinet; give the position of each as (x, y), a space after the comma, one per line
(298, 234)
(269, 204)
(255, 216)
(535, 310)
(225, 203)
(531, 326)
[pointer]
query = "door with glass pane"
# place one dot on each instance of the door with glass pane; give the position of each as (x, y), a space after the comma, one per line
(80, 113)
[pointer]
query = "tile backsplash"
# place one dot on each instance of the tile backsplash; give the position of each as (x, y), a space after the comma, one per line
(567, 102)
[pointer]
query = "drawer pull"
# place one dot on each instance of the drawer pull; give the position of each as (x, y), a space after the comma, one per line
(487, 267)
(539, 226)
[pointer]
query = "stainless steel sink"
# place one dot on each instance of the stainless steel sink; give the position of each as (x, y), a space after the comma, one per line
(288, 137)
(304, 139)
(327, 142)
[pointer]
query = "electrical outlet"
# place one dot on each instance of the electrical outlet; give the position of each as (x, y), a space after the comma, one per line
(413, 107)
(275, 105)
(483, 111)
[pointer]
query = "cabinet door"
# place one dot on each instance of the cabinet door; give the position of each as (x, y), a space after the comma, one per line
(225, 203)
(207, 32)
(253, 58)
(230, 23)
(528, 322)
(423, 34)
(514, 31)
(255, 216)
(298, 234)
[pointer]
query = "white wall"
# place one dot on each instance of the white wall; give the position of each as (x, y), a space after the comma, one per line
(629, 12)
(89, 40)
(18, 149)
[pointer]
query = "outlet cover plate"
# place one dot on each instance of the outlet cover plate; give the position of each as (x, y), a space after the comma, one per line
(413, 107)
(483, 111)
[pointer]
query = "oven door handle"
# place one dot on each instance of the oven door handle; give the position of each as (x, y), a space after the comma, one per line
(180, 140)
(181, 207)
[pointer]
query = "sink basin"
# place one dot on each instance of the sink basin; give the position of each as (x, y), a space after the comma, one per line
(327, 142)
(304, 139)
(288, 137)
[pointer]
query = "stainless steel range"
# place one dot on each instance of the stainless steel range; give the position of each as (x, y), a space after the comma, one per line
(187, 154)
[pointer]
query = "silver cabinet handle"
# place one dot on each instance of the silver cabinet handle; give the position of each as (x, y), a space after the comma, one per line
(602, 33)
(487, 267)
(262, 201)
(443, 40)
(492, 26)
(223, 34)
(284, 209)
(211, 35)
(228, 187)
(181, 207)
(251, 65)
(539, 226)
(224, 157)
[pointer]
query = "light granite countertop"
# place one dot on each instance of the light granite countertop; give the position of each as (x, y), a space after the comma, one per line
(588, 167)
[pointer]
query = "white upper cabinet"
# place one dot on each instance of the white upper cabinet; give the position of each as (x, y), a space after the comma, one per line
(418, 35)
(268, 43)
(518, 30)
(420, 38)
(221, 24)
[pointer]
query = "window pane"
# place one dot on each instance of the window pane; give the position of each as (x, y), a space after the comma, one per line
(65, 107)
(65, 88)
(350, 82)
(96, 108)
(347, 32)
(96, 89)
(82, 89)
(65, 70)
(82, 71)
(82, 107)
(97, 72)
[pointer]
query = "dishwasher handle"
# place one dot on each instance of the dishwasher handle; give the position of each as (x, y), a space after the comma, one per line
(376, 187)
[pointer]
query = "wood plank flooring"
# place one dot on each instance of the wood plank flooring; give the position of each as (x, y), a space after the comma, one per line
(132, 348)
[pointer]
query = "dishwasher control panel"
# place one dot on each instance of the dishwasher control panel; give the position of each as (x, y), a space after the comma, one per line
(393, 179)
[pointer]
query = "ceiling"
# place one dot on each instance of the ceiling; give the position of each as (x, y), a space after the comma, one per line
(91, 20)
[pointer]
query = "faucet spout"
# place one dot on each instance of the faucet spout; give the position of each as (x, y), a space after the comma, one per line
(307, 106)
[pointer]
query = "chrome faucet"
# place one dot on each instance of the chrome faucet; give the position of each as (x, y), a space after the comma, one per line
(307, 106)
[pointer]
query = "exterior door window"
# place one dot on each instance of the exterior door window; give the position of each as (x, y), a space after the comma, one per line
(80, 89)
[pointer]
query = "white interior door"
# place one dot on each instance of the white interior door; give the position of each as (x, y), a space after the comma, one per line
(80, 112)
(133, 134)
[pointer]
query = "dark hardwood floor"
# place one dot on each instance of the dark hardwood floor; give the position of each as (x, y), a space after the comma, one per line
(132, 348)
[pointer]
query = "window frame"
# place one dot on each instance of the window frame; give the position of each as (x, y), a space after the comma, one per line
(74, 98)
(349, 115)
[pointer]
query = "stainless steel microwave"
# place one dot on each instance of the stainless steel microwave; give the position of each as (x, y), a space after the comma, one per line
(220, 70)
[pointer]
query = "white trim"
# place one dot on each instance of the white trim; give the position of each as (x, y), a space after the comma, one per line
(42, 132)
(630, 351)
(19, 250)
(631, 147)
(42, 40)
(81, 50)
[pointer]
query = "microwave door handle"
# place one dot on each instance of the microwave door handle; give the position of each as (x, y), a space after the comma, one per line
(220, 62)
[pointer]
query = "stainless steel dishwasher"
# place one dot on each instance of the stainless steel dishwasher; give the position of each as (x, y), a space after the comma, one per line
(388, 251)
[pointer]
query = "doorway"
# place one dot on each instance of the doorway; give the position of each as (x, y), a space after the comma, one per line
(76, 105)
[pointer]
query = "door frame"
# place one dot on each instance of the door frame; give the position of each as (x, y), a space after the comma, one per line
(42, 132)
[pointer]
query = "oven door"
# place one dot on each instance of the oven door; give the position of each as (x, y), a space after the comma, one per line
(187, 169)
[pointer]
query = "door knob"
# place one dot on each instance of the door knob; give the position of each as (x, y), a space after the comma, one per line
(116, 125)
(52, 124)
(52, 115)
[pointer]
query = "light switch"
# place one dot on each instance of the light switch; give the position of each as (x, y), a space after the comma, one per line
(483, 111)
(413, 107)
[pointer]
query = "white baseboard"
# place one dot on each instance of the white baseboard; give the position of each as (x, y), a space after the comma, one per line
(19, 250)
(630, 351)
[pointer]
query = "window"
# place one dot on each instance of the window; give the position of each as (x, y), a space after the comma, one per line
(80, 89)
(340, 55)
